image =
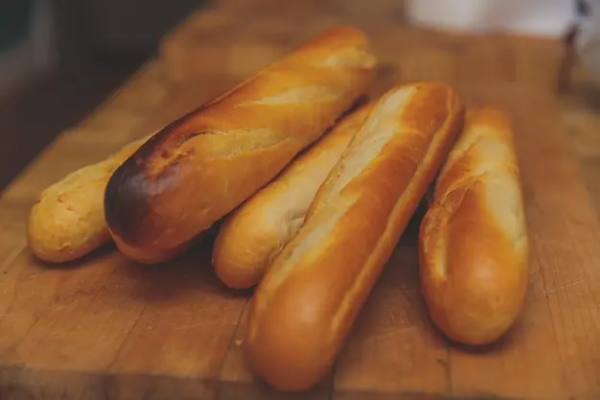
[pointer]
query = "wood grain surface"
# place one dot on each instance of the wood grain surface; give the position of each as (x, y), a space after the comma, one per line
(108, 328)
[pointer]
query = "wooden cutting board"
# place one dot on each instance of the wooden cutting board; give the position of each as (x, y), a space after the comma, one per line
(107, 328)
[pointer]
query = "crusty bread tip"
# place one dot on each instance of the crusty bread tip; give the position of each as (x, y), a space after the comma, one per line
(67, 221)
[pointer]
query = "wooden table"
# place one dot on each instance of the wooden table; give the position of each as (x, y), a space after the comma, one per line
(107, 328)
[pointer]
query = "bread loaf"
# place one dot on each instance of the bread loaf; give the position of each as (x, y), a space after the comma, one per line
(255, 233)
(203, 165)
(473, 242)
(305, 305)
(67, 222)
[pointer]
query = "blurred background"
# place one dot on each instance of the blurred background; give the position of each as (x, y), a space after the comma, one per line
(60, 59)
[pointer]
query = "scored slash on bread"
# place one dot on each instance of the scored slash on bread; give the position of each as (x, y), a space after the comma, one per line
(254, 234)
(473, 240)
(202, 166)
(306, 303)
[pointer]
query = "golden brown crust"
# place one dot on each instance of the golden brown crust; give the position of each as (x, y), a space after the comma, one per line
(67, 222)
(255, 233)
(202, 166)
(473, 240)
(309, 298)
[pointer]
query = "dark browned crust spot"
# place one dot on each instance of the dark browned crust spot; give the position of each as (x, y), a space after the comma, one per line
(129, 191)
(126, 201)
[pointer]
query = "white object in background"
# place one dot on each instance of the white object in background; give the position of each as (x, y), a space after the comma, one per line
(537, 17)
(587, 41)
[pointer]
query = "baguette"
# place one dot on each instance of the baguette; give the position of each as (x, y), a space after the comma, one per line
(67, 221)
(255, 233)
(473, 241)
(307, 301)
(202, 166)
